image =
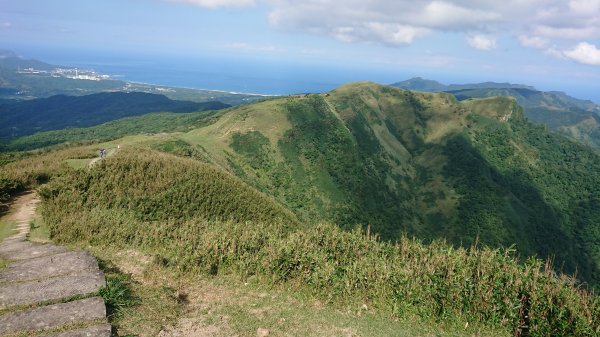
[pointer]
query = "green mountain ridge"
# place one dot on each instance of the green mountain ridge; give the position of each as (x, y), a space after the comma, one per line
(561, 113)
(413, 163)
(259, 180)
(409, 163)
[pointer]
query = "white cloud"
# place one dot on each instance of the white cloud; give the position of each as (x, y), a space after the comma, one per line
(215, 3)
(585, 53)
(533, 41)
(568, 33)
(555, 53)
(537, 23)
(482, 42)
(7, 24)
(547, 25)
(584, 6)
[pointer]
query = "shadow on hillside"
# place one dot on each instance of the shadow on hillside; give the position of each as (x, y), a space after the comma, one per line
(501, 209)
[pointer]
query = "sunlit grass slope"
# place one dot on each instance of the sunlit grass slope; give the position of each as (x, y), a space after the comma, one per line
(170, 208)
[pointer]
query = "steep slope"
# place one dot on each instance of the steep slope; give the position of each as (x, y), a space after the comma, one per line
(58, 112)
(561, 113)
(417, 163)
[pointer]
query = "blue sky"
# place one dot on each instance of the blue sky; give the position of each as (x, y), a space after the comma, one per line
(551, 44)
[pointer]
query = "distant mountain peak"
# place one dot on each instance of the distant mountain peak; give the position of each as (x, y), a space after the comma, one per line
(422, 84)
(5, 53)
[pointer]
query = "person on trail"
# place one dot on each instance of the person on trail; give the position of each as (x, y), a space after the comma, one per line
(101, 153)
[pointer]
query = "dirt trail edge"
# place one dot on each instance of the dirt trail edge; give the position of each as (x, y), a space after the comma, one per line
(46, 289)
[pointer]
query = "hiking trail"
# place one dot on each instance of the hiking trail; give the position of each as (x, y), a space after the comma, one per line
(46, 289)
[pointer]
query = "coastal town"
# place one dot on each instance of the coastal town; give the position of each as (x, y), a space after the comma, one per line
(72, 73)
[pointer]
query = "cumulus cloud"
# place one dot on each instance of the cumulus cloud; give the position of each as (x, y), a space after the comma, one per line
(585, 53)
(482, 42)
(215, 3)
(536, 23)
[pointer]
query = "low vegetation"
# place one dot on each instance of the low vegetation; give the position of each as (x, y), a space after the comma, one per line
(105, 207)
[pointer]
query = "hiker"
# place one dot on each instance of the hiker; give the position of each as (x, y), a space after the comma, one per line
(101, 153)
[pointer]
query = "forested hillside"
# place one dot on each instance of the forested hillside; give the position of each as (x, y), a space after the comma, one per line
(59, 112)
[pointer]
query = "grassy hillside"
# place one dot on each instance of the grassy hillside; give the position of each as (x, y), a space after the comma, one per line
(59, 112)
(414, 163)
(195, 218)
(166, 206)
(421, 164)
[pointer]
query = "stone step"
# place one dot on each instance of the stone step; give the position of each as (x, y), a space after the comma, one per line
(26, 322)
(16, 245)
(16, 237)
(48, 266)
(32, 252)
(50, 289)
(102, 330)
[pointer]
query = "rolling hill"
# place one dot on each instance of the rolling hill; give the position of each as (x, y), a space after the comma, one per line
(561, 113)
(258, 181)
(59, 112)
(414, 163)
(405, 163)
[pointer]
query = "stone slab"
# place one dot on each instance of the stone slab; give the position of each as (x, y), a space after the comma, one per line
(102, 330)
(52, 316)
(32, 252)
(11, 246)
(49, 266)
(51, 289)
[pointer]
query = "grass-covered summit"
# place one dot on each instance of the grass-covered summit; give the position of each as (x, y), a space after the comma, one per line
(422, 164)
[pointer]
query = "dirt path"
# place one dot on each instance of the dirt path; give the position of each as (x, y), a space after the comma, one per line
(109, 153)
(45, 289)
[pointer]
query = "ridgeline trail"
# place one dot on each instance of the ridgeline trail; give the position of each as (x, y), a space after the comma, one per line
(46, 289)
(108, 154)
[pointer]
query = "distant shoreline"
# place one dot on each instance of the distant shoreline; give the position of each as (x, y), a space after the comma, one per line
(203, 89)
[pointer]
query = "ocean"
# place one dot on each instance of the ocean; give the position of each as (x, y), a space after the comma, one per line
(242, 73)
(227, 73)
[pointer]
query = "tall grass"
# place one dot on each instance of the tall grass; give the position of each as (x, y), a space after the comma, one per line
(105, 207)
(36, 168)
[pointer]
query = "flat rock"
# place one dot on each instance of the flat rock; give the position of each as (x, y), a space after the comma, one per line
(34, 251)
(11, 246)
(102, 330)
(52, 316)
(47, 266)
(50, 289)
